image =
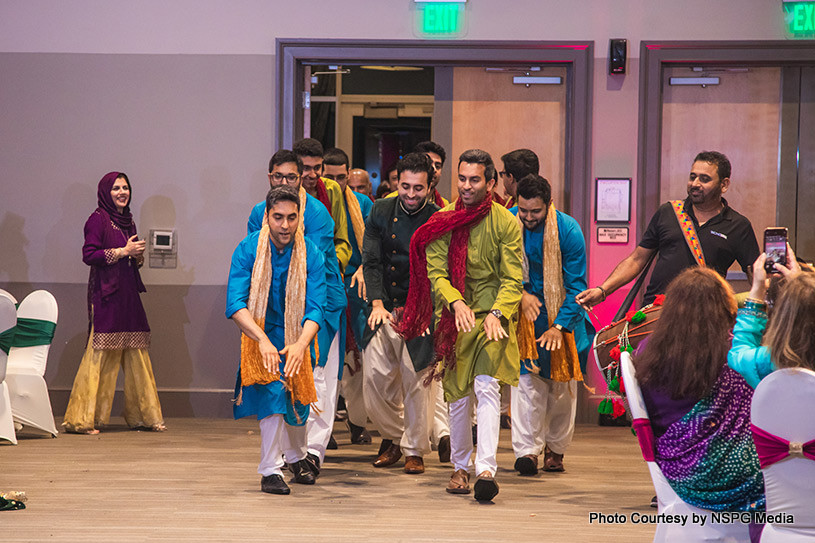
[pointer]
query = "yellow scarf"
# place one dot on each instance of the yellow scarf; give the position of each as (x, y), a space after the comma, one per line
(564, 363)
(301, 385)
(355, 215)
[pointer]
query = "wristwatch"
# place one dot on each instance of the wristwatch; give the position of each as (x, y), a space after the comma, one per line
(558, 327)
(497, 313)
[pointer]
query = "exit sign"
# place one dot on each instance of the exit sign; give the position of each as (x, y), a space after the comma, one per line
(799, 18)
(439, 19)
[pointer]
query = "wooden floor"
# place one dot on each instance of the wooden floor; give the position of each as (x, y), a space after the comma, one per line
(198, 482)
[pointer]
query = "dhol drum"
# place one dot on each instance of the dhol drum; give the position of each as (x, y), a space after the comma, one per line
(622, 335)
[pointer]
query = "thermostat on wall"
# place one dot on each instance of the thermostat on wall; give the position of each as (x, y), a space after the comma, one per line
(163, 250)
(161, 240)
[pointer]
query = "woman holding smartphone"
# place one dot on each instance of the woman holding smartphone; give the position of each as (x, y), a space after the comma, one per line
(119, 335)
(788, 340)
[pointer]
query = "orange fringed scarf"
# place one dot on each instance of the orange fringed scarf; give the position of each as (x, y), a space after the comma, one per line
(564, 363)
(301, 384)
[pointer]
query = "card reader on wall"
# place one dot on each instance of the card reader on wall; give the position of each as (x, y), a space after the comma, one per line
(163, 250)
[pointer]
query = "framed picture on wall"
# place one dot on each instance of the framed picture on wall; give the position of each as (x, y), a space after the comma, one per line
(613, 199)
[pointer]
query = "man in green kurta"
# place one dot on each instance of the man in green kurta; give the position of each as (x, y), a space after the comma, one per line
(474, 265)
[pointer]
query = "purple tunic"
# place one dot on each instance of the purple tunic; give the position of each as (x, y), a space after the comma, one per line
(114, 304)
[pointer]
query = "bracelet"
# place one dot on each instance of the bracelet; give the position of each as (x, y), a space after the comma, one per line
(603, 291)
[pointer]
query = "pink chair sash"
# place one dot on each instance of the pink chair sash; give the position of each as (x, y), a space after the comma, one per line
(645, 435)
(771, 448)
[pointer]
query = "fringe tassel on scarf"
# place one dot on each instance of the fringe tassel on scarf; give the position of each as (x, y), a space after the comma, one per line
(564, 362)
(301, 385)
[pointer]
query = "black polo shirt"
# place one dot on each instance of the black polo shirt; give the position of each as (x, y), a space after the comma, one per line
(725, 238)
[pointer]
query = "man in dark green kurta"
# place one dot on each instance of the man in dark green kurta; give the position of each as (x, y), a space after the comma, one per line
(486, 349)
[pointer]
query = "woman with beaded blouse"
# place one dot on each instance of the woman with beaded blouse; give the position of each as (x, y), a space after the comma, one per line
(119, 335)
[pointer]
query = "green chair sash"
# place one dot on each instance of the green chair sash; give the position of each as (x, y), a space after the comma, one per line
(32, 332)
(7, 339)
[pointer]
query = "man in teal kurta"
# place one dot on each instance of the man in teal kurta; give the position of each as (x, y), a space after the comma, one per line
(545, 402)
(281, 418)
(357, 207)
(486, 349)
(286, 168)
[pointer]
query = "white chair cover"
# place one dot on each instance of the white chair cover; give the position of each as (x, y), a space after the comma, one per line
(668, 501)
(9, 295)
(783, 405)
(30, 404)
(8, 318)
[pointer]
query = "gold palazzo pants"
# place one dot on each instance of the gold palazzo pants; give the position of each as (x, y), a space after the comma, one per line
(95, 383)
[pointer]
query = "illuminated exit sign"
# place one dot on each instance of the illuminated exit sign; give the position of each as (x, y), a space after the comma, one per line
(799, 18)
(440, 19)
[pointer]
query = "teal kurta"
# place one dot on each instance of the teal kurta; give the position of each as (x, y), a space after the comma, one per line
(573, 261)
(494, 280)
(318, 226)
(356, 305)
(271, 399)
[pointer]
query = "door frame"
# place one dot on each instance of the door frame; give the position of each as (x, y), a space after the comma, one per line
(577, 56)
(655, 56)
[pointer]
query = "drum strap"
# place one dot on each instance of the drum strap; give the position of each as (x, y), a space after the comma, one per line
(688, 230)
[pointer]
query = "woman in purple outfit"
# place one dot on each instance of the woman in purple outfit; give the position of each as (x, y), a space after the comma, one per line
(119, 334)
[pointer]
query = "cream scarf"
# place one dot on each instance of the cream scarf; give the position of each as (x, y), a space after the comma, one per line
(564, 364)
(252, 370)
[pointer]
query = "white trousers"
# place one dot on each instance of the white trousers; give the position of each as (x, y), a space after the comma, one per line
(543, 413)
(487, 395)
(351, 387)
(395, 398)
(276, 439)
(320, 425)
(438, 413)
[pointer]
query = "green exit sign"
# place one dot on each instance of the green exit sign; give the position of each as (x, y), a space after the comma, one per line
(799, 18)
(440, 19)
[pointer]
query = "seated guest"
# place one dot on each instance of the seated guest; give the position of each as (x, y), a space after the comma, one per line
(789, 340)
(699, 408)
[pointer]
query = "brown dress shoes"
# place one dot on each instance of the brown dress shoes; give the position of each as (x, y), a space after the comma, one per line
(414, 464)
(389, 456)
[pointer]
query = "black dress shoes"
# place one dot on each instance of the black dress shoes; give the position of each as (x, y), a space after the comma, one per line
(444, 449)
(302, 473)
(359, 435)
(313, 463)
(274, 484)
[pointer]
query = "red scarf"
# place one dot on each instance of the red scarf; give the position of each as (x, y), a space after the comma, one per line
(510, 203)
(437, 198)
(322, 194)
(419, 305)
(497, 197)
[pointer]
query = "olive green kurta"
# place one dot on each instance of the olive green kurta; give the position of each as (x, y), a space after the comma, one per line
(494, 280)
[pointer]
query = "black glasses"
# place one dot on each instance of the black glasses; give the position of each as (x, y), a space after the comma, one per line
(290, 178)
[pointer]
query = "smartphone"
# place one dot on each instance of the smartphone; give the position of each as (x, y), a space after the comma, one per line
(775, 247)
